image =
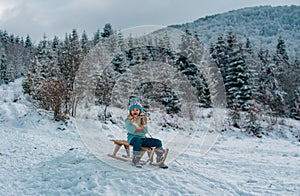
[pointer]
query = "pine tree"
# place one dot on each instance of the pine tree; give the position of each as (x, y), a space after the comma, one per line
(111, 43)
(293, 91)
(34, 78)
(107, 31)
(230, 58)
(64, 65)
(96, 38)
(5, 38)
(54, 55)
(17, 40)
(248, 46)
(75, 52)
(270, 92)
(121, 42)
(3, 70)
(43, 57)
(28, 53)
(130, 42)
(191, 50)
(287, 73)
(64, 59)
(281, 50)
(218, 53)
(28, 43)
(295, 110)
(185, 44)
(85, 45)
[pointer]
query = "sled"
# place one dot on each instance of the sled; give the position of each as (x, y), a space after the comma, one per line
(125, 158)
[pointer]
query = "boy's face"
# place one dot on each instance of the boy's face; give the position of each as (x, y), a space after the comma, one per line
(135, 112)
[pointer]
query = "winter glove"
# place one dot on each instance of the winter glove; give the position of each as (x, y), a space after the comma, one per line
(141, 120)
(137, 121)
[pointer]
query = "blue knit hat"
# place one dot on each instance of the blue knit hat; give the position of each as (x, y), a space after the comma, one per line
(134, 103)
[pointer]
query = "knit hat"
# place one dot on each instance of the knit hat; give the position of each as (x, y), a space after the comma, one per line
(134, 103)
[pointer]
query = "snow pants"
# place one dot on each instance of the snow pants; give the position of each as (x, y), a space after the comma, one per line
(137, 143)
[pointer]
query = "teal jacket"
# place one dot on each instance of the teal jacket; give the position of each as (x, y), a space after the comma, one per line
(133, 130)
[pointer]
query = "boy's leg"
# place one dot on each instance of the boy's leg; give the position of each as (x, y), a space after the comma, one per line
(151, 142)
(137, 144)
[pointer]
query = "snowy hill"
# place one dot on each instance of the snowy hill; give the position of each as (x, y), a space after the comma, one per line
(262, 25)
(39, 156)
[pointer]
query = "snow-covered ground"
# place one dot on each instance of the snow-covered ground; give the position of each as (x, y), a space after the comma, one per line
(39, 156)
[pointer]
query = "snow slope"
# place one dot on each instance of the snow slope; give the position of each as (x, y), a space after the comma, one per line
(39, 156)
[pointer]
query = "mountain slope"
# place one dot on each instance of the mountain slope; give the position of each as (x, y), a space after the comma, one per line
(263, 25)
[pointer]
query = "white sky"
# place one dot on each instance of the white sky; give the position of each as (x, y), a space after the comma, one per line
(58, 17)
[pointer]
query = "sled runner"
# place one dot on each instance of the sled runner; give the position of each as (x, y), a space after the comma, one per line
(150, 153)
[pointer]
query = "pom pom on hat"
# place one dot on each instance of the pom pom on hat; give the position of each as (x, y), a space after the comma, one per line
(134, 103)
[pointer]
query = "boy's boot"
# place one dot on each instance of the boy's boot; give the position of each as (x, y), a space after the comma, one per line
(159, 157)
(136, 161)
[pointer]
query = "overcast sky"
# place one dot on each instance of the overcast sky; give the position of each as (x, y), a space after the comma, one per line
(58, 17)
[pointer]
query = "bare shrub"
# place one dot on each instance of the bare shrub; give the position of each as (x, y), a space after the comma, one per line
(52, 96)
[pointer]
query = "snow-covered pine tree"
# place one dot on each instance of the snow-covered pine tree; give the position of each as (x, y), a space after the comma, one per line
(121, 42)
(288, 73)
(253, 109)
(75, 52)
(130, 41)
(158, 92)
(12, 55)
(103, 91)
(281, 49)
(295, 82)
(111, 43)
(43, 55)
(34, 78)
(3, 70)
(28, 53)
(271, 94)
(186, 44)
(281, 59)
(64, 65)
(191, 47)
(76, 56)
(253, 67)
(109, 38)
(4, 37)
(85, 44)
(295, 109)
(107, 31)
(13, 49)
(252, 60)
(28, 43)
(96, 38)
(55, 50)
(230, 58)
(218, 53)
(64, 59)
(192, 50)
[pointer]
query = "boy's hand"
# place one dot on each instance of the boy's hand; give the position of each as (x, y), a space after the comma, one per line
(137, 121)
(141, 120)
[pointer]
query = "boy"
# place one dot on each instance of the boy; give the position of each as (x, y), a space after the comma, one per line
(136, 125)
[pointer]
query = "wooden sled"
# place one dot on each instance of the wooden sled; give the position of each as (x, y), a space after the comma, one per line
(150, 153)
